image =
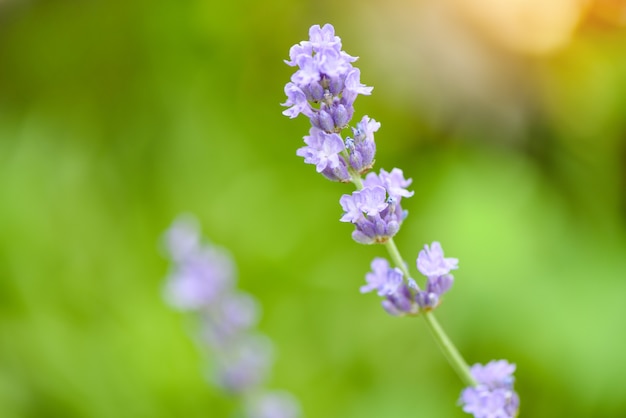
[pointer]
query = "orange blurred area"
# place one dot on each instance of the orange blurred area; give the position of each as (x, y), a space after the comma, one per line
(607, 13)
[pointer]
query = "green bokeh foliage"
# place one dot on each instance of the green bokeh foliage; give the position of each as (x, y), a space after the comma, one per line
(115, 117)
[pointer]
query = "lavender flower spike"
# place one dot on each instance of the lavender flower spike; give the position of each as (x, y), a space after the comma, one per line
(202, 281)
(494, 396)
(326, 76)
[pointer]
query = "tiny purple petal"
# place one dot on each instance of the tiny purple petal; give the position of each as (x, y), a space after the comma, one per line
(365, 129)
(395, 183)
(297, 101)
(353, 86)
(350, 206)
(296, 51)
(322, 149)
(324, 37)
(439, 284)
(373, 200)
(362, 237)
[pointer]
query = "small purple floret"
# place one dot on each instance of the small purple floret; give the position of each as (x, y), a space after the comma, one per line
(323, 150)
(363, 147)
(382, 278)
(389, 283)
(380, 214)
(493, 396)
(431, 263)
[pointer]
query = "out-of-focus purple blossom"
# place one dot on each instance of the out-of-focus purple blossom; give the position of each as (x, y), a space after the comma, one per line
(274, 405)
(243, 364)
(199, 277)
(431, 262)
(493, 396)
(229, 317)
(182, 239)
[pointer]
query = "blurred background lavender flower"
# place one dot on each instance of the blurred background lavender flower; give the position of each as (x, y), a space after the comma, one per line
(202, 281)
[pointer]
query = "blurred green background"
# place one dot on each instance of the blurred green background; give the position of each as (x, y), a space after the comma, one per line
(117, 116)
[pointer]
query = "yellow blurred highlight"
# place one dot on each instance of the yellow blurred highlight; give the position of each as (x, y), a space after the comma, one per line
(534, 27)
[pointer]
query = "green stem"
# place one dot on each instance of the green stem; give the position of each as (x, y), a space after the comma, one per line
(445, 344)
(449, 350)
(396, 257)
(356, 179)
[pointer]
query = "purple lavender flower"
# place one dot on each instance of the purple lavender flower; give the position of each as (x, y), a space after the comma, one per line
(325, 75)
(382, 278)
(495, 374)
(431, 263)
(394, 183)
(362, 147)
(374, 228)
(388, 282)
(243, 364)
(436, 286)
(493, 396)
(376, 214)
(323, 150)
(297, 102)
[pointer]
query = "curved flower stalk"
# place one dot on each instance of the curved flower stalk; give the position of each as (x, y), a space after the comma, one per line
(324, 89)
(202, 282)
